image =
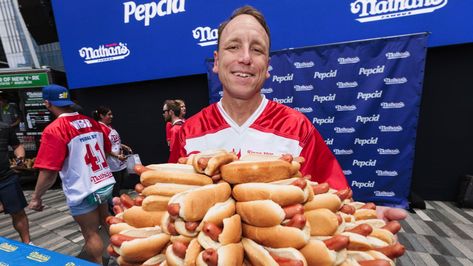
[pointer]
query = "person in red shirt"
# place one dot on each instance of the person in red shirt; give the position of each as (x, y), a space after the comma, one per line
(74, 146)
(244, 121)
(171, 114)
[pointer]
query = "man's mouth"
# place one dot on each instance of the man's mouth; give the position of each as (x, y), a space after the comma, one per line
(242, 74)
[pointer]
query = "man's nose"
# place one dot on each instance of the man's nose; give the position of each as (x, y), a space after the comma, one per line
(245, 56)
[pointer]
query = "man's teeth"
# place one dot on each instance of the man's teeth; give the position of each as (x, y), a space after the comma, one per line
(243, 75)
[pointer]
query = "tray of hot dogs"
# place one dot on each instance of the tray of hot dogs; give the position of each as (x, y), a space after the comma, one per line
(214, 208)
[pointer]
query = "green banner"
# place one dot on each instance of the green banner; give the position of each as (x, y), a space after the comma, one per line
(16, 81)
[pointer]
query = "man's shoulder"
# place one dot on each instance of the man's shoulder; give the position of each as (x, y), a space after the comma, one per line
(208, 119)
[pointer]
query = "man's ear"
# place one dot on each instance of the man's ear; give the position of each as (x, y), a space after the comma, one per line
(47, 103)
(267, 69)
(215, 67)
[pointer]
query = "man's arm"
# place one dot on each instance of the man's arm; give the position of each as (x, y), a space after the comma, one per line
(46, 179)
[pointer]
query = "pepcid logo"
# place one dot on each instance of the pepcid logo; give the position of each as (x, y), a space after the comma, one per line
(397, 55)
(104, 53)
(343, 85)
(362, 142)
(390, 128)
(148, 11)
(388, 151)
(386, 173)
(378, 193)
(369, 95)
(206, 36)
(361, 164)
(391, 105)
(324, 98)
(304, 64)
(366, 119)
(370, 71)
(304, 110)
(321, 121)
(344, 108)
(394, 81)
(280, 79)
(348, 60)
(267, 90)
(303, 87)
(362, 184)
(344, 130)
(342, 152)
(347, 172)
(374, 10)
(324, 75)
(288, 99)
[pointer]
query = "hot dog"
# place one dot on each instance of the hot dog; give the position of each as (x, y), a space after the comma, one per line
(139, 169)
(138, 245)
(155, 203)
(182, 253)
(357, 242)
(173, 173)
(278, 236)
(136, 216)
(192, 205)
(231, 254)
(258, 168)
(166, 189)
(331, 251)
(260, 255)
(214, 236)
(284, 195)
(264, 213)
(209, 162)
(324, 201)
(300, 182)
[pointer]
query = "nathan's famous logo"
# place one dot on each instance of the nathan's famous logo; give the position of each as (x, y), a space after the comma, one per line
(8, 247)
(206, 36)
(36, 256)
(149, 11)
(104, 53)
(373, 10)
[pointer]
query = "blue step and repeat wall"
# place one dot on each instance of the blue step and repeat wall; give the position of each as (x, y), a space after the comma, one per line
(364, 99)
(110, 42)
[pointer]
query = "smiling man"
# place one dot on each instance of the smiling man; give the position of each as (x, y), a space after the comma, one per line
(244, 121)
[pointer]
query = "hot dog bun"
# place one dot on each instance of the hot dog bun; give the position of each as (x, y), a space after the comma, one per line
(195, 203)
(322, 222)
(117, 228)
(190, 258)
(137, 217)
(166, 189)
(261, 169)
(148, 242)
(262, 213)
(364, 214)
(278, 236)
(308, 192)
(231, 233)
(231, 254)
(173, 173)
(155, 203)
(357, 242)
(261, 256)
(283, 195)
(324, 201)
(218, 212)
(316, 253)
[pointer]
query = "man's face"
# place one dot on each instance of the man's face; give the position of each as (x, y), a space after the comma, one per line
(166, 114)
(242, 59)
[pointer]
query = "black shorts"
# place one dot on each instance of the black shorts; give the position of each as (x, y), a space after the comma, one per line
(11, 195)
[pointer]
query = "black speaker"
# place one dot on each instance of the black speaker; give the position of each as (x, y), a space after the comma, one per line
(39, 19)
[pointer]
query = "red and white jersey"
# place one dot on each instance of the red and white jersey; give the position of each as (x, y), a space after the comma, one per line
(273, 129)
(114, 163)
(74, 145)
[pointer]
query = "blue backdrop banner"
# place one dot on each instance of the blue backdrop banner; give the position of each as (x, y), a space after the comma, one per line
(364, 99)
(109, 42)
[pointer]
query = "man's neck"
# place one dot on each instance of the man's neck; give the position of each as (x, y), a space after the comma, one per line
(240, 110)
